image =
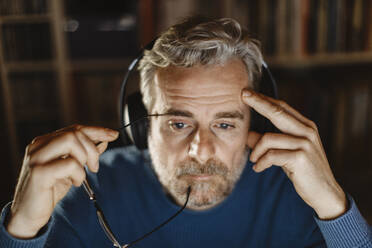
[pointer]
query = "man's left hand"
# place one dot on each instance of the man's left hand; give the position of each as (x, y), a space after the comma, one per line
(299, 151)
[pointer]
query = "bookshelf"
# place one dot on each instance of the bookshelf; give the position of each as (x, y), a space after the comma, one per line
(322, 59)
(320, 52)
(33, 62)
(30, 66)
(32, 18)
(40, 81)
(338, 97)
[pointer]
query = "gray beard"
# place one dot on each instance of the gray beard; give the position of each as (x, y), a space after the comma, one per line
(204, 193)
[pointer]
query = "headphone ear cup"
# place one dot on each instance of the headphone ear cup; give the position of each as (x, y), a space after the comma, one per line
(136, 114)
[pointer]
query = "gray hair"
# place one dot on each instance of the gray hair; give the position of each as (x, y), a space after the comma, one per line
(199, 41)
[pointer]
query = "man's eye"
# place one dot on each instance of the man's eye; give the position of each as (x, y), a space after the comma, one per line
(178, 125)
(225, 126)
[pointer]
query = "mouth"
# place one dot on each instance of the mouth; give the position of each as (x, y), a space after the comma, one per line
(199, 176)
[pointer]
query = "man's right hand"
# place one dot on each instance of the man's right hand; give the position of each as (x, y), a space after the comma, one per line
(52, 164)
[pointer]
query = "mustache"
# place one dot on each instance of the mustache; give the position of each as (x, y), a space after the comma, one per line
(193, 167)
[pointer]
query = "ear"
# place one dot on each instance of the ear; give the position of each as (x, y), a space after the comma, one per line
(252, 139)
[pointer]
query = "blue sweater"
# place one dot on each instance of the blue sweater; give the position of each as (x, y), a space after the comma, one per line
(262, 211)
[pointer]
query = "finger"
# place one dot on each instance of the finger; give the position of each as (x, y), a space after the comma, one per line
(92, 151)
(253, 138)
(275, 157)
(105, 134)
(64, 144)
(37, 142)
(59, 169)
(97, 134)
(102, 147)
(271, 141)
(283, 120)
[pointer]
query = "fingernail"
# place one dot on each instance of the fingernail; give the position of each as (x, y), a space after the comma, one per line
(113, 133)
(247, 93)
(96, 166)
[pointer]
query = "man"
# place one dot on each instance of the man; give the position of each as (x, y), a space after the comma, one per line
(199, 82)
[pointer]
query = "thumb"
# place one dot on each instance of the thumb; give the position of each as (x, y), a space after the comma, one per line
(253, 138)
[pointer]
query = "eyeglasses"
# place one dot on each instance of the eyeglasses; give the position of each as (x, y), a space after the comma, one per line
(104, 224)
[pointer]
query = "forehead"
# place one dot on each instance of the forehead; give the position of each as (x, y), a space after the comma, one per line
(201, 87)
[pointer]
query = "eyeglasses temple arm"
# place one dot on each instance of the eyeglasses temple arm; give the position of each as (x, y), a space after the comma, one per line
(101, 218)
(164, 223)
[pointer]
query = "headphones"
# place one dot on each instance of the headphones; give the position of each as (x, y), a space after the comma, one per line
(132, 110)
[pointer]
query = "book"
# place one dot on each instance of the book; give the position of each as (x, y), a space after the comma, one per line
(34, 95)
(313, 26)
(340, 26)
(332, 28)
(367, 26)
(22, 7)
(357, 26)
(93, 107)
(271, 37)
(262, 24)
(253, 22)
(26, 42)
(322, 27)
(281, 28)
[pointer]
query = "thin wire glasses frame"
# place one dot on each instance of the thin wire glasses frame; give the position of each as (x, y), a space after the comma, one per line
(103, 221)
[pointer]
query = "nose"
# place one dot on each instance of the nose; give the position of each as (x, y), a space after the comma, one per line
(202, 146)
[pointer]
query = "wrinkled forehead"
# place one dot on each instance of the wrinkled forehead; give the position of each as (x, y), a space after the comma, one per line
(210, 85)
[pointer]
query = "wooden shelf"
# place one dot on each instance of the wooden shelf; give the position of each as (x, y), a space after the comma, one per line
(324, 59)
(30, 66)
(32, 18)
(100, 64)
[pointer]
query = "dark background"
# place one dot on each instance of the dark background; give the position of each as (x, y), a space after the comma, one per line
(62, 62)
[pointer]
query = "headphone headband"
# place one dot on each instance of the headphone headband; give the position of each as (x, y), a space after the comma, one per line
(132, 107)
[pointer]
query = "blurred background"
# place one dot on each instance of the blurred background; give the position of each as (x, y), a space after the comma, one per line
(62, 62)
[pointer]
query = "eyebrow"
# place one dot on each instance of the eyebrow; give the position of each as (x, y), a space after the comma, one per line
(232, 115)
(177, 112)
(185, 113)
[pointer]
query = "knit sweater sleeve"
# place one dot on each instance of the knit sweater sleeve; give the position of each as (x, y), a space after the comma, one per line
(6, 240)
(348, 230)
(57, 233)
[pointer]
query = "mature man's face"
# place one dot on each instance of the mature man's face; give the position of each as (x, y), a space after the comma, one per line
(201, 141)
